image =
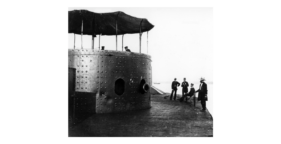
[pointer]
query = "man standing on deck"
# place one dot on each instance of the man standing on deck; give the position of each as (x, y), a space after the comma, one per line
(184, 86)
(203, 91)
(175, 84)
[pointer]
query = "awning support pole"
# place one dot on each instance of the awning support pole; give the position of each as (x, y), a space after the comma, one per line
(116, 42)
(99, 41)
(74, 40)
(140, 34)
(122, 41)
(93, 31)
(140, 42)
(93, 42)
(116, 28)
(82, 35)
(147, 42)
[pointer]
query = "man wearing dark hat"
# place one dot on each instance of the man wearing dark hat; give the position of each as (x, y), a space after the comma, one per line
(175, 84)
(184, 86)
(203, 91)
(102, 47)
(127, 49)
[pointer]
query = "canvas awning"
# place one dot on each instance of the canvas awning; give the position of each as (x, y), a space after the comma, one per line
(105, 23)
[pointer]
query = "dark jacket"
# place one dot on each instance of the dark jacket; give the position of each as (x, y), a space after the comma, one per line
(175, 84)
(192, 91)
(184, 85)
(203, 92)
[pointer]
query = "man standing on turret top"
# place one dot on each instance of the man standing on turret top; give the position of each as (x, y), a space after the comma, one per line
(184, 86)
(175, 84)
(203, 91)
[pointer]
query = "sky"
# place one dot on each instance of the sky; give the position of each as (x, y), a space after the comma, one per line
(237, 48)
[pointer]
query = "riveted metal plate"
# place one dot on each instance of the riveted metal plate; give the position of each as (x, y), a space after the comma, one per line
(97, 72)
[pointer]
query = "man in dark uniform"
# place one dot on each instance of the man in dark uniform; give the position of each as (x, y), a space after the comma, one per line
(127, 49)
(203, 91)
(175, 84)
(190, 94)
(184, 86)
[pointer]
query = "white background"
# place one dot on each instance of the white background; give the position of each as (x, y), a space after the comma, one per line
(238, 48)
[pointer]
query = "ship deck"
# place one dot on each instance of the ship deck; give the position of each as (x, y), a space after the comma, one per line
(164, 119)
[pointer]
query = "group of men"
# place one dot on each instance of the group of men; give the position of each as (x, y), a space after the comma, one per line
(202, 96)
(126, 48)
